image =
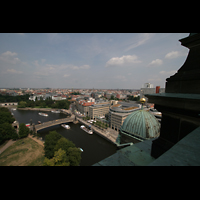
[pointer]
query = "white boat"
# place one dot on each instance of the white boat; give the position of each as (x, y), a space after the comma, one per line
(65, 126)
(86, 130)
(55, 111)
(14, 109)
(43, 114)
(81, 149)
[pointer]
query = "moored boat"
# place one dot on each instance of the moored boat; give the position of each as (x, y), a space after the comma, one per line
(65, 126)
(43, 114)
(55, 111)
(86, 130)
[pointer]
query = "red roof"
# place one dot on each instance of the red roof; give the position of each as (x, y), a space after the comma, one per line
(88, 103)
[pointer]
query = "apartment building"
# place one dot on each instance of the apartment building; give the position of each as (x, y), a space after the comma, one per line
(98, 110)
(83, 106)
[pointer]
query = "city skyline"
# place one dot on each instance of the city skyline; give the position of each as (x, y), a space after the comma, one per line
(89, 60)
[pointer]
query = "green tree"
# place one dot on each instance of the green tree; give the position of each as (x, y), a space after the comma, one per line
(74, 155)
(7, 132)
(50, 142)
(5, 116)
(23, 130)
(112, 97)
(72, 152)
(59, 159)
(22, 104)
(64, 144)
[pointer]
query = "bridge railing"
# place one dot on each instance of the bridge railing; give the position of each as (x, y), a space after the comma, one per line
(53, 123)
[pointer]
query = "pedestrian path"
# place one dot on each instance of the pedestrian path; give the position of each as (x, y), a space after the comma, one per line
(9, 143)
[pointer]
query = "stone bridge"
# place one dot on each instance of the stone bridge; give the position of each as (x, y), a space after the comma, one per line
(39, 127)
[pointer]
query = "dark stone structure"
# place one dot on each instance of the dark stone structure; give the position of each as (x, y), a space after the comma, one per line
(187, 79)
(180, 104)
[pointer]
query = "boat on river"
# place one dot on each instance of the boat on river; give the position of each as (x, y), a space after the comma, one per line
(43, 114)
(86, 130)
(55, 111)
(65, 126)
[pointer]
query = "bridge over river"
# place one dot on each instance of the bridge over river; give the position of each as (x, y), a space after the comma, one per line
(44, 125)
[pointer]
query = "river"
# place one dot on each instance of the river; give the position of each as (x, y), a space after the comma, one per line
(95, 148)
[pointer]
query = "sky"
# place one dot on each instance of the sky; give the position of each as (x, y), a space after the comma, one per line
(89, 60)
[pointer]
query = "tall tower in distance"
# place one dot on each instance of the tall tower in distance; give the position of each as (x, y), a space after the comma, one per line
(148, 85)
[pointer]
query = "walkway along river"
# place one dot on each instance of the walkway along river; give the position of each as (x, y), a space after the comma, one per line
(95, 148)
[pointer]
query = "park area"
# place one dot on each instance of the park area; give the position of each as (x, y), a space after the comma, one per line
(24, 152)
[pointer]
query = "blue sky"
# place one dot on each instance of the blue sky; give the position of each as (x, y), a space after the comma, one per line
(89, 60)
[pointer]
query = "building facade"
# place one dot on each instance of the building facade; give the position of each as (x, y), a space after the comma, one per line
(119, 112)
(99, 110)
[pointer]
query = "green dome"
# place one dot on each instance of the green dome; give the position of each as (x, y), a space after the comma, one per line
(141, 124)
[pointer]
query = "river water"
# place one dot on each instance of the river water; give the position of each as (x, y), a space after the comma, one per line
(95, 148)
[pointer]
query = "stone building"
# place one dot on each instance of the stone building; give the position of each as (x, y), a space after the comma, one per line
(119, 112)
(99, 110)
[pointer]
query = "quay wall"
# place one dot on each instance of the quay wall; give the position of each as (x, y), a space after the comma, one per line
(67, 112)
(39, 109)
(104, 134)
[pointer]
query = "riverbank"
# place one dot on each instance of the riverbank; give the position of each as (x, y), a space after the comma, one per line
(38, 109)
(65, 111)
(109, 134)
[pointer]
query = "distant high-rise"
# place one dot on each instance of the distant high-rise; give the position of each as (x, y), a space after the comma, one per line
(148, 85)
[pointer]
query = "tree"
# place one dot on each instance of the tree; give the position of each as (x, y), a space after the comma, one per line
(112, 97)
(7, 132)
(74, 155)
(59, 159)
(72, 152)
(64, 144)
(22, 104)
(50, 142)
(23, 130)
(5, 116)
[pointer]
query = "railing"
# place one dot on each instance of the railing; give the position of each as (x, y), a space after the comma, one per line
(53, 123)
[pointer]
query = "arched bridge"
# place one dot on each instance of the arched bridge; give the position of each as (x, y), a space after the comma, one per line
(39, 127)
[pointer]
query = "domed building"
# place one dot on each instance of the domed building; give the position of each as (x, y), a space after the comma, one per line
(139, 126)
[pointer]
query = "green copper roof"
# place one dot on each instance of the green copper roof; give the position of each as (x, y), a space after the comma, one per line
(141, 123)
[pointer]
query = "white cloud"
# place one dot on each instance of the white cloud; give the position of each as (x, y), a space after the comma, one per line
(9, 53)
(175, 54)
(156, 62)
(13, 71)
(122, 61)
(143, 38)
(8, 57)
(168, 73)
(84, 67)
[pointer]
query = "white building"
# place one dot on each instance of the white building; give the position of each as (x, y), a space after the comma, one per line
(56, 98)
(148, 85)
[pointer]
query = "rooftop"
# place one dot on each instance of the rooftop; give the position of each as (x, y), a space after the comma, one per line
(124, 107)
(141, 124)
